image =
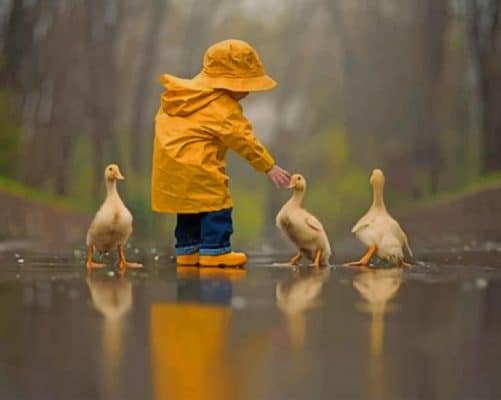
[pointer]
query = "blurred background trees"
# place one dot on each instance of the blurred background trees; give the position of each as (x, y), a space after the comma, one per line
(411, 86)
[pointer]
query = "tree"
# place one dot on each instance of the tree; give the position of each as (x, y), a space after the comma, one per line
(392, 63)
(483, 17)
(157, 16)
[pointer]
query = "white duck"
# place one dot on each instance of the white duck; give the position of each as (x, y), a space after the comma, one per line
(379, 231)
(112, 224)
(302, 228)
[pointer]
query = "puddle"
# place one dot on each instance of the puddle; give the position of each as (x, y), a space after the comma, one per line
(430, 331)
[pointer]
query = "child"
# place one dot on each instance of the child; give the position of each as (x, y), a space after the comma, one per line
(198, 120)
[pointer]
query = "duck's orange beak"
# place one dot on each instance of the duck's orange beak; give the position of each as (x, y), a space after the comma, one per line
(119, 176)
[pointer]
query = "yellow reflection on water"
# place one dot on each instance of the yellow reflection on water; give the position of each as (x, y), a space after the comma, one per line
(377, 288)
(297, 295)
(188, 338)
(187, 342)
(112, 297)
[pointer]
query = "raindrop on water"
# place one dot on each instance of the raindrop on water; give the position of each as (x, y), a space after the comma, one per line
(20, 260)
(481, 283)
(111, 273)
(238, 302)
(156, 258)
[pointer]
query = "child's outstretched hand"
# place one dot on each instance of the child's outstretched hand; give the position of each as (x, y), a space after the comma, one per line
(279, 176)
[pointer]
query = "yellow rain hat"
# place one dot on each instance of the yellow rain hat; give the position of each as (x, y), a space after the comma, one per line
(234, 65)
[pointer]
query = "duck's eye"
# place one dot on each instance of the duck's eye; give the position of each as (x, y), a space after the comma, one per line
(298, 178)
(110, 169)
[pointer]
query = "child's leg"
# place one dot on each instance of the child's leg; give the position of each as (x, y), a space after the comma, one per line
(216, 229)
(215, 247)
(187, 234)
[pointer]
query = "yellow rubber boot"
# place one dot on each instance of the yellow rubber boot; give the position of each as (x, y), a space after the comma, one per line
(188, 259)
(224, 260)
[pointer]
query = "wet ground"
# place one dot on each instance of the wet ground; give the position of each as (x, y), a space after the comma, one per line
(432, 331)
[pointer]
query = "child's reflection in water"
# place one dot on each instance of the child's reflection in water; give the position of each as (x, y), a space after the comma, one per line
(188, 337)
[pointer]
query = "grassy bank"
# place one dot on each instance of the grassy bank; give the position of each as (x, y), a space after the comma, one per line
(46, 198)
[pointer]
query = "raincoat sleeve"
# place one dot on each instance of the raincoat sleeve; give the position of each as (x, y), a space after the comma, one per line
(236, 133)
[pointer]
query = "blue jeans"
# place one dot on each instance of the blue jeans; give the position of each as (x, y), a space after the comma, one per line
(208, 233)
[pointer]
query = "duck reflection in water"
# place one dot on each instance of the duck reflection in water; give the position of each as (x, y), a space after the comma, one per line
(188, 337)
(297, 295)
(112, 298)
(377, 288)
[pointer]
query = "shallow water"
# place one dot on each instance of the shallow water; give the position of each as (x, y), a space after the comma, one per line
(432, 331)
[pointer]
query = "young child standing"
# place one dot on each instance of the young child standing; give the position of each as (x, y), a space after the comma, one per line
(198, 120)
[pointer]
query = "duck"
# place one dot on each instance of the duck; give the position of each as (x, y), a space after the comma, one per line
(303, 229)
(379, 231)
(112, 225)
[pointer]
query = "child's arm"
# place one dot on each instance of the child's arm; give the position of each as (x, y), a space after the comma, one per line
(237, 134)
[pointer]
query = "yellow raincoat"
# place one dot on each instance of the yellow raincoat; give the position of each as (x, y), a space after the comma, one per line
(197, 122)
(193, 130)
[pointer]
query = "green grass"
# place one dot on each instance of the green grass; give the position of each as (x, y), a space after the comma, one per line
(17, 189)
(479, 184)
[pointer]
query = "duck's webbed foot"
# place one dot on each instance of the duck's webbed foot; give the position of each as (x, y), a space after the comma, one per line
(123, 264)
(91, 264)
(366, 258)
(294, 261)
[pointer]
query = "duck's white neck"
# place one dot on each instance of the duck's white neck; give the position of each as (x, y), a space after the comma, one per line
(297, 197)
(111, 188)
(377, 196)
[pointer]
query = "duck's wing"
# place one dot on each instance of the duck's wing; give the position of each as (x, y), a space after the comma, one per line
(363, 222)
(313, 223)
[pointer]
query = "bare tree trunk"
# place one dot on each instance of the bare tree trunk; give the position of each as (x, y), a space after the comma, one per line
(102, 74)
(158, 12)
(491, 115)
(16, 37)
(483, 19)
(430, 55)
